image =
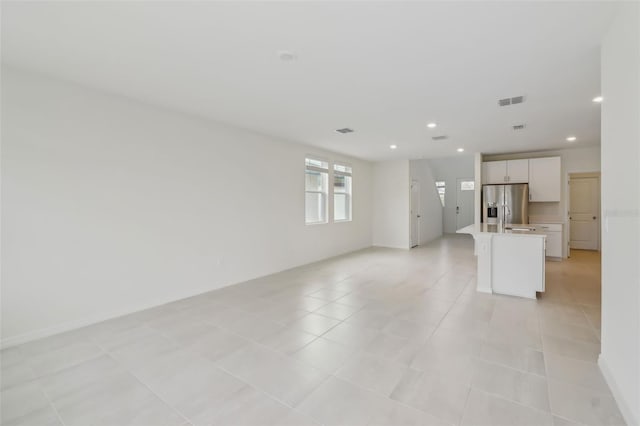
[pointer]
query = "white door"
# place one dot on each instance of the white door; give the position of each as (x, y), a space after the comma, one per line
(584, 206)
(415, 213)
(465, 194)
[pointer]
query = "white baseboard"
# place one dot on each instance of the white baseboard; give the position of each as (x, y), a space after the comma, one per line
(389, 246)
(624, 407)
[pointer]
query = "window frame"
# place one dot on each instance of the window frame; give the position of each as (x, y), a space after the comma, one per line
(471, 188)
(322, 168)
(347, 172)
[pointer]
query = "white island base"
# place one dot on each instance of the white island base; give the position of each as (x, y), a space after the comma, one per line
(509, 262)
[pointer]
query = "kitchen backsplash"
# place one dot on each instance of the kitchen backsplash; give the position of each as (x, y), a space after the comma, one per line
(551, 211)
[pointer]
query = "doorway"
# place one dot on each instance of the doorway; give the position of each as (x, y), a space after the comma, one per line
(584, 211)
(465, 197)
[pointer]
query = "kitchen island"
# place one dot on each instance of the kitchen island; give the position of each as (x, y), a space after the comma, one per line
(510, 259)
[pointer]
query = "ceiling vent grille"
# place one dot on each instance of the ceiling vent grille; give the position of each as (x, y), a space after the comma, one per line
(519, 127)
(440, 138)
(344, 130)
(511, 101)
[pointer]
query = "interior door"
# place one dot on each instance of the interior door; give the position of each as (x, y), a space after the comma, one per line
(584, 206)
(415, 213)
(465, 197)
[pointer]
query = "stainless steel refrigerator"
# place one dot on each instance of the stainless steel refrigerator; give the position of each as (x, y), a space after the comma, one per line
(505, 203)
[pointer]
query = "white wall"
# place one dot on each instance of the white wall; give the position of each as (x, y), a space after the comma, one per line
(477, 196)
(450, 169)
(391, 204)
(111, 206)
(620, 352)
(430, 205)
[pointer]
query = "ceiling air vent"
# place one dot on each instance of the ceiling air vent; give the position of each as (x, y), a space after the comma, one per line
(519, 127)
(345, 130)
(511, 101)
(440, 138)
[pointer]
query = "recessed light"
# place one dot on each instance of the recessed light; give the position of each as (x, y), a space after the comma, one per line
(460, 149)
(287, 56)
(597, 99)
(571, 139)
(432, 125)
(393, 146)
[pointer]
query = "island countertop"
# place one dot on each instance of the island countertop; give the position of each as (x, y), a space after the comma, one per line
(486, 228)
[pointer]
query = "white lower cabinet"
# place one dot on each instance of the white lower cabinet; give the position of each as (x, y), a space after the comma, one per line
(553, 231)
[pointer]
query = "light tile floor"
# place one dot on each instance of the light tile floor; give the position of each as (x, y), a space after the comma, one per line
(377, 337)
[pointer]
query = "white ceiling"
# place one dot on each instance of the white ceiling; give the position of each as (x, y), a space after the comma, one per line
(384, 69)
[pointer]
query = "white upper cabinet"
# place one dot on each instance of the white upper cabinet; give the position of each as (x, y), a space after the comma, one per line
(544, 179)
(518, 171)
(510, 171)
(494, 172)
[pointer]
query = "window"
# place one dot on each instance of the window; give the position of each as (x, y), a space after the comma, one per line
(467, 185)
(316, 191)
(341, 193)
(440, 186)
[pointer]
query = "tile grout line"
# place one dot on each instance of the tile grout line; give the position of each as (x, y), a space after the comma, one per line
(329, 375)
(53, 407)
(286, 404)
(148, 388)
(469, 387)
(214, 363)
(408, 366)
(46, 394)
(37, 378)
(466, 403)
(521, 404)
(546, 367)
(548, 379)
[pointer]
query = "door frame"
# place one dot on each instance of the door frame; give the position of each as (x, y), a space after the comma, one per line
(457, 188)
(413, 216)
(578, 175)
